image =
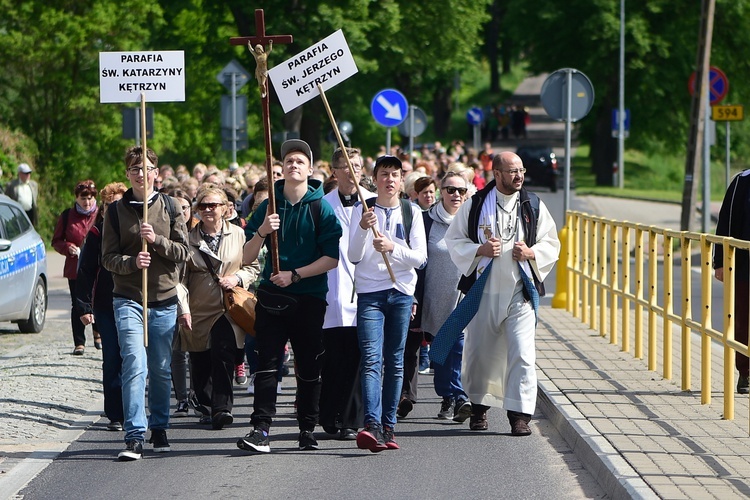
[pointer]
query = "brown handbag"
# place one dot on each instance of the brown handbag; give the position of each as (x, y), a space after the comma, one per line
(239, 303)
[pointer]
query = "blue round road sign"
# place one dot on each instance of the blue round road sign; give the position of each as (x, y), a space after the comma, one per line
(389, 107)
(475, 116)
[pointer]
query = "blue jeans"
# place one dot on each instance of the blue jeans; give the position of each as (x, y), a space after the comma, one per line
(382, 323)
(447, 377)
(139, 362)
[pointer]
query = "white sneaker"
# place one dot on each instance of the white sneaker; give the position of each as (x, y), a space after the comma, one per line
(251, 384)
(278, 388)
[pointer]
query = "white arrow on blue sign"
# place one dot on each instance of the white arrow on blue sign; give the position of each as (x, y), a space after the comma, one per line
(475, 116)
(389, 107)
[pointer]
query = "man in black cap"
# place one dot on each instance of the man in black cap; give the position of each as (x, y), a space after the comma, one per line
(292, 302)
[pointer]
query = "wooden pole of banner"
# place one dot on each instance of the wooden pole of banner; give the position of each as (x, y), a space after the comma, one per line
(256, 44)
(351, 171)
(144, 244)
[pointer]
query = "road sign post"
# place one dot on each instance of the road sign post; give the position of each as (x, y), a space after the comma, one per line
(567, 94)
(475, 116)
(388, 108)
(233, 76)
(726, 114)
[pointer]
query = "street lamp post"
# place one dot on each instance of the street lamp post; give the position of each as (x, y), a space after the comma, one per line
(621, 113)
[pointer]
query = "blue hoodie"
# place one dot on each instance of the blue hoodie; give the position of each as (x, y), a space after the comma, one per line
(300, 243)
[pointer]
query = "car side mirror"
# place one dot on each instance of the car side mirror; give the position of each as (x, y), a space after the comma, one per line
(4, 245)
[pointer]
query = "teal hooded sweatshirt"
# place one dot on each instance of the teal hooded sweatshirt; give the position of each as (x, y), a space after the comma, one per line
(300, 243)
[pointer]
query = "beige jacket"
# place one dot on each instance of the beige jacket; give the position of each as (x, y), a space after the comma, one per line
(205, 300)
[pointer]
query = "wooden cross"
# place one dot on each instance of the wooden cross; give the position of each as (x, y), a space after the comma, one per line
(260, 34)
(256, 44)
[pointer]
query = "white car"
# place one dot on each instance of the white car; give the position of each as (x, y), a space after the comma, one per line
(23, 269)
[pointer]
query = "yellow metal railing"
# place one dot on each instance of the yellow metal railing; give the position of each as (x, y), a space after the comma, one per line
(602, 254)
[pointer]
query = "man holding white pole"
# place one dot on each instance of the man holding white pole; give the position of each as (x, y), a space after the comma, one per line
(123, 255)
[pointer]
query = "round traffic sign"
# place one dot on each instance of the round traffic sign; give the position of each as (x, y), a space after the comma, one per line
(718, 84)
(420, 123)
(389, 107)
(554, 94)
(475, 116)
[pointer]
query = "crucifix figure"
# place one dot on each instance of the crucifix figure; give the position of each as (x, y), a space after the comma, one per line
(255, 44)
(261, 65)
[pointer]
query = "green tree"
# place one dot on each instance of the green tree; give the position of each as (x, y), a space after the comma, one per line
(49, 85)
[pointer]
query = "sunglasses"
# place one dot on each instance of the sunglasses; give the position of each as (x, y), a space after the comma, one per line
(453, 189)
(206, 206)
(90, 185)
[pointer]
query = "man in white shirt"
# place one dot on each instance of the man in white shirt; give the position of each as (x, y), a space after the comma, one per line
(384, 306)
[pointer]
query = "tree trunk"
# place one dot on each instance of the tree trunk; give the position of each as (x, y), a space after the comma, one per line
(441, 110)
(491, 37)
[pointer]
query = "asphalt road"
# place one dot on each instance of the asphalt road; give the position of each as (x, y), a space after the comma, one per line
(438, 459)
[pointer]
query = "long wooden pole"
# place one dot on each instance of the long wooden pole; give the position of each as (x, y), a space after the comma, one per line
(274, 246)
(144, 244)
(353, 174)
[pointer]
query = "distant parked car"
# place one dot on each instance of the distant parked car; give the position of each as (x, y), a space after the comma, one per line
(23, 269)
(541, 166)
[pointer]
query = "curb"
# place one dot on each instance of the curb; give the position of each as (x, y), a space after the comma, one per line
(613, 473)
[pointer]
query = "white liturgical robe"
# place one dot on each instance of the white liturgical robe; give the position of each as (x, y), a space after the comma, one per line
(499, 353)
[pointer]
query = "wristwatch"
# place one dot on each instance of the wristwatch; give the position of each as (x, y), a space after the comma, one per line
(295, 276)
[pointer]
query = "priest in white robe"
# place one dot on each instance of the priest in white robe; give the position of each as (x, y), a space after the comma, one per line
(512, 229)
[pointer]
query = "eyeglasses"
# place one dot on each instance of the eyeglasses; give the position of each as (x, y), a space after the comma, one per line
(453, 189)
(206, 206)
(185, 208)
(515, 171)
(357, 168)
(137, 170)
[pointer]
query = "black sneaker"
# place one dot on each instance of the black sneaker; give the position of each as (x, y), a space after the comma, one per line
(198, 408)
(462, 411)
(133, 451)
(371, 438)
(159, 440)
(307, 441)
(446, 408)
(256, 440)
(182, 409)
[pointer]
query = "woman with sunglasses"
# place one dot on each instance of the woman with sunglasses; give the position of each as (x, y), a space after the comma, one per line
(72, 227)
(440, 295)
(207, 332)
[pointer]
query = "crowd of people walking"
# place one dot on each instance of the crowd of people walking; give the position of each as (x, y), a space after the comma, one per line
(360, 266)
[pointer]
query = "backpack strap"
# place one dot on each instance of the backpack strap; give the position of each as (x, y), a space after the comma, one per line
(406, 215)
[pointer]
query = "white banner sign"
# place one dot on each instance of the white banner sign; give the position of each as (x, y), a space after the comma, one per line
(124, 75)
(328, 63)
